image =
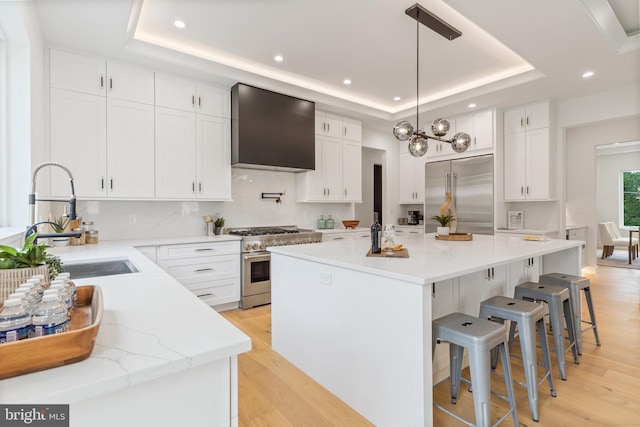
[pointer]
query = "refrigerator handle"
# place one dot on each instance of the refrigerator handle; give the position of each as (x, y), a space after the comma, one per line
(454, 185)
(447, 183)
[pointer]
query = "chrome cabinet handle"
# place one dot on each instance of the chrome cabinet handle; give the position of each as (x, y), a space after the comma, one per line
(111, 183)
(203, 249)
(202, 269)
(102, 183)
(110, 83)
(101, 81)
(205, 295)
(193, 100)
(200, 187)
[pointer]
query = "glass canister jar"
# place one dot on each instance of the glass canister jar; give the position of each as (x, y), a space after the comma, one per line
(90, 233)
(77, 241)
(322, 223)
(330, 222)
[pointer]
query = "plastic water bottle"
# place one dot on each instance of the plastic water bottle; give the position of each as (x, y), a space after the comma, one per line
(38, 284)
(32, 293)
(73, 290)
(23, 298)
(65, 287)
(14, 321)
(62, 293)
(43, 282)
(49, 317)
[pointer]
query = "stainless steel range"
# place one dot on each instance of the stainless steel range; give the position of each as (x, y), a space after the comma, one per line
(256, 260)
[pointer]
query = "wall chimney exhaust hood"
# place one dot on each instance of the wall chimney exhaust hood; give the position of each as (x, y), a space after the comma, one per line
(271, 131)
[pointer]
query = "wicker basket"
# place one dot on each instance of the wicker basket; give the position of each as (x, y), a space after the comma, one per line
(12, 278)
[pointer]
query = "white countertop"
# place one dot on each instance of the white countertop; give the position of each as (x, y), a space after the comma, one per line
(430, 260)
(534, 231)
(152, 326)
(341, 230)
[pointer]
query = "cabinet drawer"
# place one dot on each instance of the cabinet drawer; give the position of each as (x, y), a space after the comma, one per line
(166, 252)
(219, 292)
(191, 270)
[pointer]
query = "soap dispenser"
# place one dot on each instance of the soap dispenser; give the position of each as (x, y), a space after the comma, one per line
(330, 222)
(322, 223)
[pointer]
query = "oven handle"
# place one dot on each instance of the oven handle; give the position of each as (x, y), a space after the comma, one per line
(257, 257)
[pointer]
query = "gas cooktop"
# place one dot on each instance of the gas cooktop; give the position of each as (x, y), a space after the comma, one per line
(260, 238)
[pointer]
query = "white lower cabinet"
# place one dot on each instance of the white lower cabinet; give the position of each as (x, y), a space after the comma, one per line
(527, 270)
(444, 300)
(210, 270)
(480, 286)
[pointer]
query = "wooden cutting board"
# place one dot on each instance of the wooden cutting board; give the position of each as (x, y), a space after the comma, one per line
(402, 253)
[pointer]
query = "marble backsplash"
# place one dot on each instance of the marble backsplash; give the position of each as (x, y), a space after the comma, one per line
(118, 220)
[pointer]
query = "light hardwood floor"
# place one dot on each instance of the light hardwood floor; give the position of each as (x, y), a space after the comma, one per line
(603, 390)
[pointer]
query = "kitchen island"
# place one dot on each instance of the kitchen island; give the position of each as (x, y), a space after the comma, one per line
(361, 326)
(162, 357)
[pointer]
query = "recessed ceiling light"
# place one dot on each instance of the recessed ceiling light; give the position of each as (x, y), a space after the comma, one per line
(472, 105)
(587, 74)
(347, 81)
(179, 24)
(397, 98)
(278, 58)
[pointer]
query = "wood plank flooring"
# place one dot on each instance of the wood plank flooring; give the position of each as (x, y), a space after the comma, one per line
(603, 390)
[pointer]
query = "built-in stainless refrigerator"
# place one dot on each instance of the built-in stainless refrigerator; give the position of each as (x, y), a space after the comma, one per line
(470, 182)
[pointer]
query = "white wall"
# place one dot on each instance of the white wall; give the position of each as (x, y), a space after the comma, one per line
(22, 124)
(609, 186)
(580, 171)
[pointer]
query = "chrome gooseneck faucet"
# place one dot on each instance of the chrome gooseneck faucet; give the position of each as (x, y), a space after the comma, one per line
(32, 203)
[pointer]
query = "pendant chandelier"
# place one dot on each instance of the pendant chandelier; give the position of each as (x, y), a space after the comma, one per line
(403, 130)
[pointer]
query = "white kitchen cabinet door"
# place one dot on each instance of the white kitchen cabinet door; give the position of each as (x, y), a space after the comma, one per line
(514, 166)
(175, 92)
(77, 73)
(352, 130)
(529, 117)
(328, 124)
(537, 166)
(411, 178)
(462, 124)
(213, 157)
(130, 83)
(213, 101)
(78, 141)
(482, 137)
(175, 154)
(527, 270)
(130, 149)
(324, 184)
(352, 171)
(444, 300)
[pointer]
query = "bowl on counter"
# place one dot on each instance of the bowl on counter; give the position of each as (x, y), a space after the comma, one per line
(350, 223)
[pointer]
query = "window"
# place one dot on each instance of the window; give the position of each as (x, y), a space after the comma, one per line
(630, 208)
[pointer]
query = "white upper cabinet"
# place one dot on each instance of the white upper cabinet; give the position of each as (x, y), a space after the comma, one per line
(328, 124)
(351, 130)
(78, 141)
(97, 77)
(102, 127)
(411, 177)
(130, 150)
(192, 156)
(530, 117)
(528, 158)
(478, 125)
(130, 83)
(78, 73)
(188, 95)
(338, 171)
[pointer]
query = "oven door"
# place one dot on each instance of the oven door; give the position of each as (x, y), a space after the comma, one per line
(256, 273)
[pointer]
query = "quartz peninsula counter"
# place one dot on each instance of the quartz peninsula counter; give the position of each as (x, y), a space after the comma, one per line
(162, 357)
(361, 326)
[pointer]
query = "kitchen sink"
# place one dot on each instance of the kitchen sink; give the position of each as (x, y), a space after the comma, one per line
(82, 270)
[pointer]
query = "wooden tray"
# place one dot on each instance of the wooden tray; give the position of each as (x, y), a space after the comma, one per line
(402, 253)
(51, 351)
(455, 236)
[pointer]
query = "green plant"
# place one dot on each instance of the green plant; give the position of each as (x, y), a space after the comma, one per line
(219, 222)
(61, 223)
(31, 255)
(443, 220)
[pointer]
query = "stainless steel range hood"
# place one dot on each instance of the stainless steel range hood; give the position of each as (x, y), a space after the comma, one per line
(271, 131)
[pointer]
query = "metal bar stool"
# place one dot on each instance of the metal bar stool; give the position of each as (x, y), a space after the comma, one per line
(529, 316)
(558, 300)
(479, 337)
(575, 284)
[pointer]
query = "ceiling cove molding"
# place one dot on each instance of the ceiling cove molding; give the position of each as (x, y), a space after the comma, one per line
(607, 21)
